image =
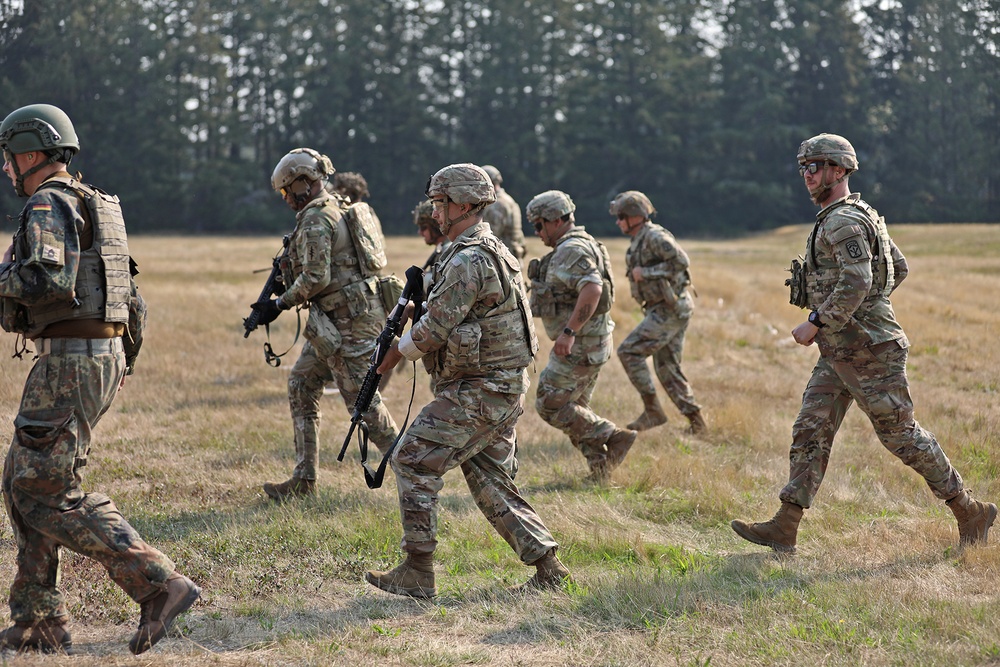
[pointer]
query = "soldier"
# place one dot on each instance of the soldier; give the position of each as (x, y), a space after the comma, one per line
(572, 291)
(325, 273)
(657, 270)
(349, 184)
(851, 268)
(476, 338)
(504, 215)
(65, 284)
(427, 226)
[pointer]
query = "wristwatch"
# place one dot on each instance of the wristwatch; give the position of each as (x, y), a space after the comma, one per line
(569, 332)
(815, 321)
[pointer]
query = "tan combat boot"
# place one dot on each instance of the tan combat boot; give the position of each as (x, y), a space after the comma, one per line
(550, 574)
(158, 612)
(652, 414)
(778, 533)
(618, 445)
(293, 488)
(47, 636)
(413, 577)
(698, 424)
(974, 518)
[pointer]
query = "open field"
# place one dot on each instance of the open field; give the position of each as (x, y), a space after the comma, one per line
(660, 578)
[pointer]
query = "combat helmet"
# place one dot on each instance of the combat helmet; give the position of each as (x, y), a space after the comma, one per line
(494, 174)
(423, 214)
(632, 202)
(832, 147)
(298, 163)
(38, 127)
(549, 205)
(462, 183)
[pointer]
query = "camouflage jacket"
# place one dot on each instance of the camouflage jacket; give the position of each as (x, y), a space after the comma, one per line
(663, 263)
(504, 218)
(840, 252)
(573, 263)
(309, 271)
(477, 324)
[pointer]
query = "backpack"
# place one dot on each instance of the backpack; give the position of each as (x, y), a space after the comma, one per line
(366, 235)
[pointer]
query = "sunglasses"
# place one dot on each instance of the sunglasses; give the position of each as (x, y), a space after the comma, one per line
(813, 167)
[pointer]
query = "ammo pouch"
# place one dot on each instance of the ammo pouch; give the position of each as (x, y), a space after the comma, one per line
(389, 290)
(463, 347)
(541, 300)
(656, 291)
(13, 316)
(359, 296)
(322, 333)
(797, 292)
(607, 298)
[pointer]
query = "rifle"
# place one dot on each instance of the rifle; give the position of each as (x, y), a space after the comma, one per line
(251, 322)
(413, 290)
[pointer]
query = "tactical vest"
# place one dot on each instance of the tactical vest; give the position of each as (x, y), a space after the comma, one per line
(555, 300)
(654, 290)
(502, 339)
(821, 282)
(103, 283)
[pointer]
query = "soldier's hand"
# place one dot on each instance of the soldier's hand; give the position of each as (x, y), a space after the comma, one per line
(8, 255)
(268, 310)
(563, 345)
(637, 274)
(805, 333)
(392, 357)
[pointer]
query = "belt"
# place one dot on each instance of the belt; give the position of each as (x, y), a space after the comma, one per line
(90, 346)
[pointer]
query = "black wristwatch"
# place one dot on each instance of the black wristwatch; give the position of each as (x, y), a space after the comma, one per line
(815, 321)
(569, 332)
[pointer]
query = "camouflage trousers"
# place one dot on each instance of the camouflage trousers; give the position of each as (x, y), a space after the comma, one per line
(660, 335)
(339, 354)
(565, 387)
(467, 426)
(66, 394)
(875, 378)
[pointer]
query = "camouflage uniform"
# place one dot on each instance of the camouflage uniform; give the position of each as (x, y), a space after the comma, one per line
(666, 301)
(346, 315)
(504, 218)
(72, 384)
(567, 383)
(476, 340)
(863, 353)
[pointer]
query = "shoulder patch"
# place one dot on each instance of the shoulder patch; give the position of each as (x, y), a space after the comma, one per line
(845, 232)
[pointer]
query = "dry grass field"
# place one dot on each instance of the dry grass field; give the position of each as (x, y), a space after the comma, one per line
(660, 578)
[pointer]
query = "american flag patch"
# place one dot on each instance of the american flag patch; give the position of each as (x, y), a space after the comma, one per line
(42, 207)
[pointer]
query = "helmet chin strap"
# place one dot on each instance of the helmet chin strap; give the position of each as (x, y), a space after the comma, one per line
(447, 224)
(19, 177)
(818, 195)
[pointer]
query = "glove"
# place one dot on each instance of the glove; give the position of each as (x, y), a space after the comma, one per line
(279, 287)
(268, 310)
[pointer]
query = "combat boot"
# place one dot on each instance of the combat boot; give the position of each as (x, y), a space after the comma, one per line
(292, 488)
(413, 577)
(157, 613)
(778, 533)
(550, 574)
(974, 518)
(618, 445)
(652, 414)
(698, 424)
(47, 636)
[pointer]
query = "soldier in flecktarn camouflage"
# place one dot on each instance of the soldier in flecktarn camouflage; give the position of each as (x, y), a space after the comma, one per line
(659, 278)
(572, 290)
(66, 285)
(851, 267)
(476, 339)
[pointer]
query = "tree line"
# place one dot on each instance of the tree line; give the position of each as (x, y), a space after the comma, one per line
(185, 106)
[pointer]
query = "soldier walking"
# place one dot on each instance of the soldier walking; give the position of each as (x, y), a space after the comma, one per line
(851, 268)
(326, 272)
(657, 270)
(476, 339)
(65, 284)
(572, 290)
